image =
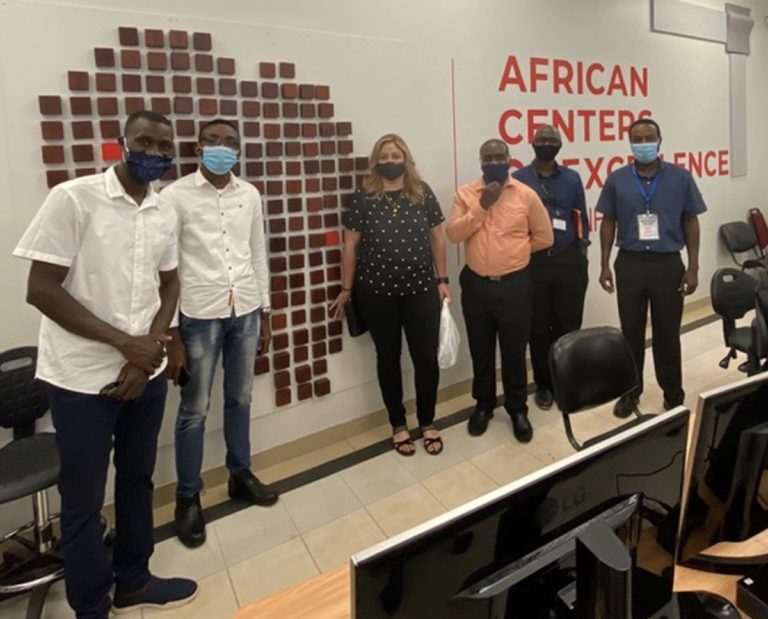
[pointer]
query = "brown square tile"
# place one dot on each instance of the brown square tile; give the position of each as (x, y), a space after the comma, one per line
(82, 153)
(261, 366)
(325, 110)
(182, 84)
(280, 342)
(330, 183)
(309, 130)
(80, 106)
(281, 360)
(361, 163)
(298, 297)
(346, 182)
(279, 300)
(228, 107)
(208, 107)
(50, 105)
(307, 110)
(291, 130)
(289, 91)
(282, 397)
(277, 244)
(161, 105)
(269, 90)
(319, 333)
(297, 280)
(253, 149)
(251, 109)
(317, 314)
(333, 256)
(109, 129)
(276, 226)
(279, 322)
(296, 243)
(300, 337)
(330, 201)
(315, 222)
(296, 261)
(328, 166)
(106, 82)
(271, 110)
(201, 41)
(344, 147)
(187, 149)
(155, 83)
(274, 168)
(333, 291)
(333, 274)
(334, 346)
(227, 86)
(311, 167)
(274, 207)
(314, 204)
(302, 373)
(205, 86)
(204, 63)
(183, 105)
(317, 295)
(78, 80)
(85, 172)
(157, 61)
(274, 149)
(251, 129)
(225, 66)
(154, 38)
(293, 149)
(180, 61)
(267, 70)
(293, 188)
(53, 154)
(278, 264)
(334, 328)
(52, 130)
(304, 391)
(327, 129)
(130, 59)
(319, 349)
(271, 131)
(290, 110)
(315, 258)
(320, 366)
(300, 354)
(298, 317)
(254, 168)
(54, 177)
(287, 70)
(83, 129)
(306, 91)
(312, 185)
(346, 165)
(343, 128)
(131, 82)
(274, 188)
(178, 39)
(322, 92)
(104, 57)
(185, 128)
(317, 277)
(249, 89)
(279, 283)
(129, 37)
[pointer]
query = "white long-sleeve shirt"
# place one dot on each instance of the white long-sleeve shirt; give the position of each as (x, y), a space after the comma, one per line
(222, 251)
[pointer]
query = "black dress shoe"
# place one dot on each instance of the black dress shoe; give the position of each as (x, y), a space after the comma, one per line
(521, 427)
(245, 486)
(625, 406)
(478, 421)
(190, 524)
(543, 398)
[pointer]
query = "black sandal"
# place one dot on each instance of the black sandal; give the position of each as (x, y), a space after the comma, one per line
(428, 442)
(401, 445)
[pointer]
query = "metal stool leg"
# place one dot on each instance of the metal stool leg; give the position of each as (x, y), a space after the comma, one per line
(37, 601)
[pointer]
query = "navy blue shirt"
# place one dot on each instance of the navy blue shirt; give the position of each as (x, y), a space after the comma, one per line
(676, 196)
(561, 193)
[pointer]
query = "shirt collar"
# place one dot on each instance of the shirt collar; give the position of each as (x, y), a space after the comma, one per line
(555, 170)
(200, 180)
(116, 190)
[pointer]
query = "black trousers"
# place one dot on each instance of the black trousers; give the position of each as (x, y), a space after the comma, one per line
(559, 286)
(387, 317)
(498, 310)
(88, 429)
(652, 279)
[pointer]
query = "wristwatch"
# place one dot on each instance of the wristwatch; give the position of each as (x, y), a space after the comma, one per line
(442, 280)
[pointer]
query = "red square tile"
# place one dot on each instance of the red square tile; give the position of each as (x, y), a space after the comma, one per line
(346, 182)
(304, 391)
(83, 129)
(161, 105)
(154, 38)
(271, 131)
(290, 110)
(185, 128)
(316, 240)
(227, 87)
(82, 153)
(296, 261)
(188, 168)
(228, 107)
(53, 154)
(106, 82)
(52, 130)
(78, 80)
(109, 129)
(251, 109)
(306, 91)
(261, 366)
(333, 291)
(334, 346)
(225, 66)
(129, 37)
(178, 39)
(201, 41)
(131, 82)
(180, 61)
(50, 105)
(249, 89)
(134, 104)
(204, 63)
(279, 300)
(298, 297)
(208, 107)
(157, 61)
(320, 366)
(80, 106)
(277, 245)
(130, 59)
(361, 163)
(54, 177)
(269, 90)
(322, 92)
(297, 243)
(331, 220)
(155, 83)
(267, 70)
(325, 110)
(104, 57)
(271, 110)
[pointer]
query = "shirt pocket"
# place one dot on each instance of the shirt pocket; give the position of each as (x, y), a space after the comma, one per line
(510, 222)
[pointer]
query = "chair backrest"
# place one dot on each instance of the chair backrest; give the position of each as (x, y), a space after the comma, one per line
(732, 293)
(761, 325)
(22, 399)
(760, 227)
(591, 367)
(739, 237)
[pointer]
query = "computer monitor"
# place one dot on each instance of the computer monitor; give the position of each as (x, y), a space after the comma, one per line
(726, 497)
(512, 553)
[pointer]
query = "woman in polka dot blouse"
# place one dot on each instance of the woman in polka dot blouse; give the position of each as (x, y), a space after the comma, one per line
(394, 259)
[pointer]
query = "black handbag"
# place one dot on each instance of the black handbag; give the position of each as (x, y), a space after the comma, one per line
(355, 322)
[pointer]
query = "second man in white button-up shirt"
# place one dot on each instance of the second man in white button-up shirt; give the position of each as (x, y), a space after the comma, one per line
(224, 292)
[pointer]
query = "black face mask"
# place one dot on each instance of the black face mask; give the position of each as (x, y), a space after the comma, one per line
(391, 171)
(546, 152)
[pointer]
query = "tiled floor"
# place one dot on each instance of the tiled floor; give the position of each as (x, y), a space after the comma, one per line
(315, 528)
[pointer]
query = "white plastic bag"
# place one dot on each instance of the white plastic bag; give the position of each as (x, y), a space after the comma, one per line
(448, 348)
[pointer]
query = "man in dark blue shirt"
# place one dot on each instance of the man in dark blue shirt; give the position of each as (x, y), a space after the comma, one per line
(558, 274)
(654, 206)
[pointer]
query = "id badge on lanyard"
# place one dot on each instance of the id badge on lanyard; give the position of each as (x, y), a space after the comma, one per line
(647, 223)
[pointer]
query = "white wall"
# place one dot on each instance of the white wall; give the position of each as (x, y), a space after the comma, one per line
(389, 68)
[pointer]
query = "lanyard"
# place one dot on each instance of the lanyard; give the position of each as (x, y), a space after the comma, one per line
(549, 197)
(646, 196)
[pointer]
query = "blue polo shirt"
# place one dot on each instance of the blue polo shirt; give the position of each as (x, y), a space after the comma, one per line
(675, 196)
(561, 193)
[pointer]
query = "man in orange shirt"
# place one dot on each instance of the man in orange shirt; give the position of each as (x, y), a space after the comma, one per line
(501, 222)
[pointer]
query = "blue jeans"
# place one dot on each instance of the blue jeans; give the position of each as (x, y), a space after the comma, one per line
(88, 428)
(237, 337)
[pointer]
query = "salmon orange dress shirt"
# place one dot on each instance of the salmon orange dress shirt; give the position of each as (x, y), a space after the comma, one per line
(500, 239)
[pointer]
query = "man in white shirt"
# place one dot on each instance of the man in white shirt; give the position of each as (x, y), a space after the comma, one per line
(224, 292)
(104, 257)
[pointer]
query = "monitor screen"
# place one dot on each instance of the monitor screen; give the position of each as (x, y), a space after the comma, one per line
(726, 497)
(524, 534)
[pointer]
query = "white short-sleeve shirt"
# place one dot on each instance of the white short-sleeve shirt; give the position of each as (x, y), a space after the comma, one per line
(114, 250)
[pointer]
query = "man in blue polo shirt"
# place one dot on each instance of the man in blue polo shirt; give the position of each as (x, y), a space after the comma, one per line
(558, 274)
(655, 206)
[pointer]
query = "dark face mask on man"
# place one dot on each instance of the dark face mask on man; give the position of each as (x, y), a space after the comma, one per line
(390, 170)
(145, 167)
(546, 152)
(495, 172)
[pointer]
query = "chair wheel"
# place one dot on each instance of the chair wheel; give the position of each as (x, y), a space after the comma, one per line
(724, 363)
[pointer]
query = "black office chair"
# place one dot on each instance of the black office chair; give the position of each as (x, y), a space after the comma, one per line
(732, 293)
(591, 367)
(740, 238)
(760, 330)
(29, 465)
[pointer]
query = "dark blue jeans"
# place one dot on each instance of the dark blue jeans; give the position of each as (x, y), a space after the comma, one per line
(87, 428)
(237, 340)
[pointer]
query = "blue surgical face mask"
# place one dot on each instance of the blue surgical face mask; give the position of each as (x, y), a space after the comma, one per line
(645, 152)
(219, 159)
(145, 167)
(498, 172)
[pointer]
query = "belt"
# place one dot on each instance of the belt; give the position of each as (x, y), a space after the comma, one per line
(496, 278)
